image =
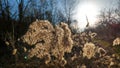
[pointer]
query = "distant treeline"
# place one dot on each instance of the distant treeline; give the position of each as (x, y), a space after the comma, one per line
(17, 15)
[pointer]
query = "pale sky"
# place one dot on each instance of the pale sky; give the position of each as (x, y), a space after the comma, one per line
(101, 4)
(91, 9)
(104, 3)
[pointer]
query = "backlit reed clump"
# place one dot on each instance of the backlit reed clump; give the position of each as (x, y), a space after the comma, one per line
(92, 34)
(101, 51)
(89, 50)
(49, 42)
(116, 46)
(116, 41)
(83, 37)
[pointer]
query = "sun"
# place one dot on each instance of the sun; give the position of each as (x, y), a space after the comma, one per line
(86, 11)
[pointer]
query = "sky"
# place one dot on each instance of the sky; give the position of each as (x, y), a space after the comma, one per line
(85, 8)
(107, 3)
(90, 9)
(103, 4)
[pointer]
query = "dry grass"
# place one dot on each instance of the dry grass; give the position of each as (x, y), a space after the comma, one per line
(48, 41)
(45, 46)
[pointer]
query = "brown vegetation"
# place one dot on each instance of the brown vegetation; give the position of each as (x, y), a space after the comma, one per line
(57, 47)
(48, 41)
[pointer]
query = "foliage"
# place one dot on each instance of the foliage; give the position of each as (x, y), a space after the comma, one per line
(48, 41)
(116, 45)
(89, 50)
(48, 44)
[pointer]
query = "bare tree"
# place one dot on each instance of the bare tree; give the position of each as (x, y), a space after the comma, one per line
(69, 6)
(117, 11)
(20, 9)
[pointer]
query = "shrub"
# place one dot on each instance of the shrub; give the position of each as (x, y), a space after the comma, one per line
(89, 50)
(48, 41)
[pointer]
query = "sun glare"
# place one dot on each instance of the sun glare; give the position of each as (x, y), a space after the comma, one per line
(86, 11)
